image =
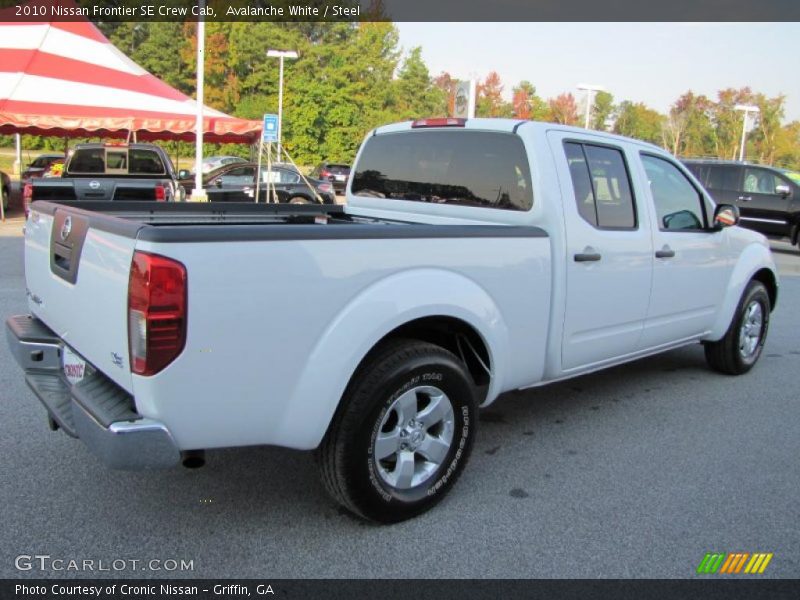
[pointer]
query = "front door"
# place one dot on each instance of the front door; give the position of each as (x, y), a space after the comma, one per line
(692, 262)
(609, 253)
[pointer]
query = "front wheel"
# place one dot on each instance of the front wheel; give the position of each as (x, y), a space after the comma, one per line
(403, 433)
(741, 347)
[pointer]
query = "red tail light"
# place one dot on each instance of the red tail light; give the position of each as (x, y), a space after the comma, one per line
(161, 193)
(156, 312)
(439, 122)
(325, 173)
(27, 195)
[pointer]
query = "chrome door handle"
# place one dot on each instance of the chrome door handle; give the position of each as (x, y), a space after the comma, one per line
(745, 198)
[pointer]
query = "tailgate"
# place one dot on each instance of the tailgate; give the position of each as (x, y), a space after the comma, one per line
(76, 270)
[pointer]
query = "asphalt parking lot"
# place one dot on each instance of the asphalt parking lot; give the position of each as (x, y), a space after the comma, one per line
(633, 472)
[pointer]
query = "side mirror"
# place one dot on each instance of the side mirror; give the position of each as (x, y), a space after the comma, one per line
(783, 190)
(726, 215)
(218, 182)
(184, 174)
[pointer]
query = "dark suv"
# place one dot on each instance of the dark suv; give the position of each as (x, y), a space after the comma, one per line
(768, 197)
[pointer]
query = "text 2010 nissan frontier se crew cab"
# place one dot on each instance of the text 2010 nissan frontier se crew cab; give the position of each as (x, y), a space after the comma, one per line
(474, 257)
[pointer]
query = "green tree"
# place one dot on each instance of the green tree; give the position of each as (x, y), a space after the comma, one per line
(416, 95)
(160, 51)
(688, 128)
(602, 110)
(728, 121)
(768, 131)
(787, 146)
(527, 104)
(636, 120)
(447, 86)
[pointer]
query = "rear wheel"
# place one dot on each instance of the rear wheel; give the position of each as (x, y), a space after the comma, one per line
(741, 347)
(298, 200)
(403, 433)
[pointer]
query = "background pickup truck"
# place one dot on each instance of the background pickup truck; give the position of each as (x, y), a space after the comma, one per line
(104, 172)
(474, 257)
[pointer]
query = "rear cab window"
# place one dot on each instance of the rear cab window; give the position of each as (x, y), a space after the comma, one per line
(116, 161)
(466, 168)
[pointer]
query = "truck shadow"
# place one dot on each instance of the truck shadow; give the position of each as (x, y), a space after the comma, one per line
(264, 484)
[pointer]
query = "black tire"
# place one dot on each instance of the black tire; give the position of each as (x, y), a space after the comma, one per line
(347, 456)
(727, 355)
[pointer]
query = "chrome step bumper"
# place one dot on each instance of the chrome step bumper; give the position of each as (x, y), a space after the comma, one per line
(96, 410)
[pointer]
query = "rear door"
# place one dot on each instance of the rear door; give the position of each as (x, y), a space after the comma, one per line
(762, 208)
(609, 252)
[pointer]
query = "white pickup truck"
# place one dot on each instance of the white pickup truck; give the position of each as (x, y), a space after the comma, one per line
(473, 258)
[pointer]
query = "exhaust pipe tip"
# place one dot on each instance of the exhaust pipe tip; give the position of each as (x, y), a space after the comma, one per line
(193, 459)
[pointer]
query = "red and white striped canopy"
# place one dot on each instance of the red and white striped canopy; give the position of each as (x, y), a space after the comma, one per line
(67, 79)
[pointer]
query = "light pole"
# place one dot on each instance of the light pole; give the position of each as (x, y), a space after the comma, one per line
(589, 89)
(746, 110)
(198, 193)
(281, 54)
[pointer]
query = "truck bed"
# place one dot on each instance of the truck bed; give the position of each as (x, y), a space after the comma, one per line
(200, 222)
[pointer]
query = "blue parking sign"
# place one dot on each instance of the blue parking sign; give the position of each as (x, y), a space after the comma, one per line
(270, 131)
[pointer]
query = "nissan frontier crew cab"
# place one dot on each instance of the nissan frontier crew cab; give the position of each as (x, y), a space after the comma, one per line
(473, 257)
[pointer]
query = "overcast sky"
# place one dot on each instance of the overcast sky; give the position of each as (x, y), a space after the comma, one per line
(652, 63)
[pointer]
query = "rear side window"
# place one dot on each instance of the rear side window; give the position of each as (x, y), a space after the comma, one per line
(467, 168)
(239, 176)
(602, 185)
(721, 177)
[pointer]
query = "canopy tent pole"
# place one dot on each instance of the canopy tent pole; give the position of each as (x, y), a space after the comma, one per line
(18, 160)
(2, 207)
(199, 194)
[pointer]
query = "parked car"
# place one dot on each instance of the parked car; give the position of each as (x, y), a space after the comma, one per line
(100, 172)
(474, 257)
(5, 184)
(215, 162)
(336, 173)
(768, 198)
(40, 165)
(236, 183)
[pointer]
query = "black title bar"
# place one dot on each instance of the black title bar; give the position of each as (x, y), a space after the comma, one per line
(206, 589)
(401, 10)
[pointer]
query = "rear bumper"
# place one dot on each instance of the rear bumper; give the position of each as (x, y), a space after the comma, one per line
(96, 410)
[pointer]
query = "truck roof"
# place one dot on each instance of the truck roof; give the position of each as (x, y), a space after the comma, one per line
(135, 145)
(512, 125)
